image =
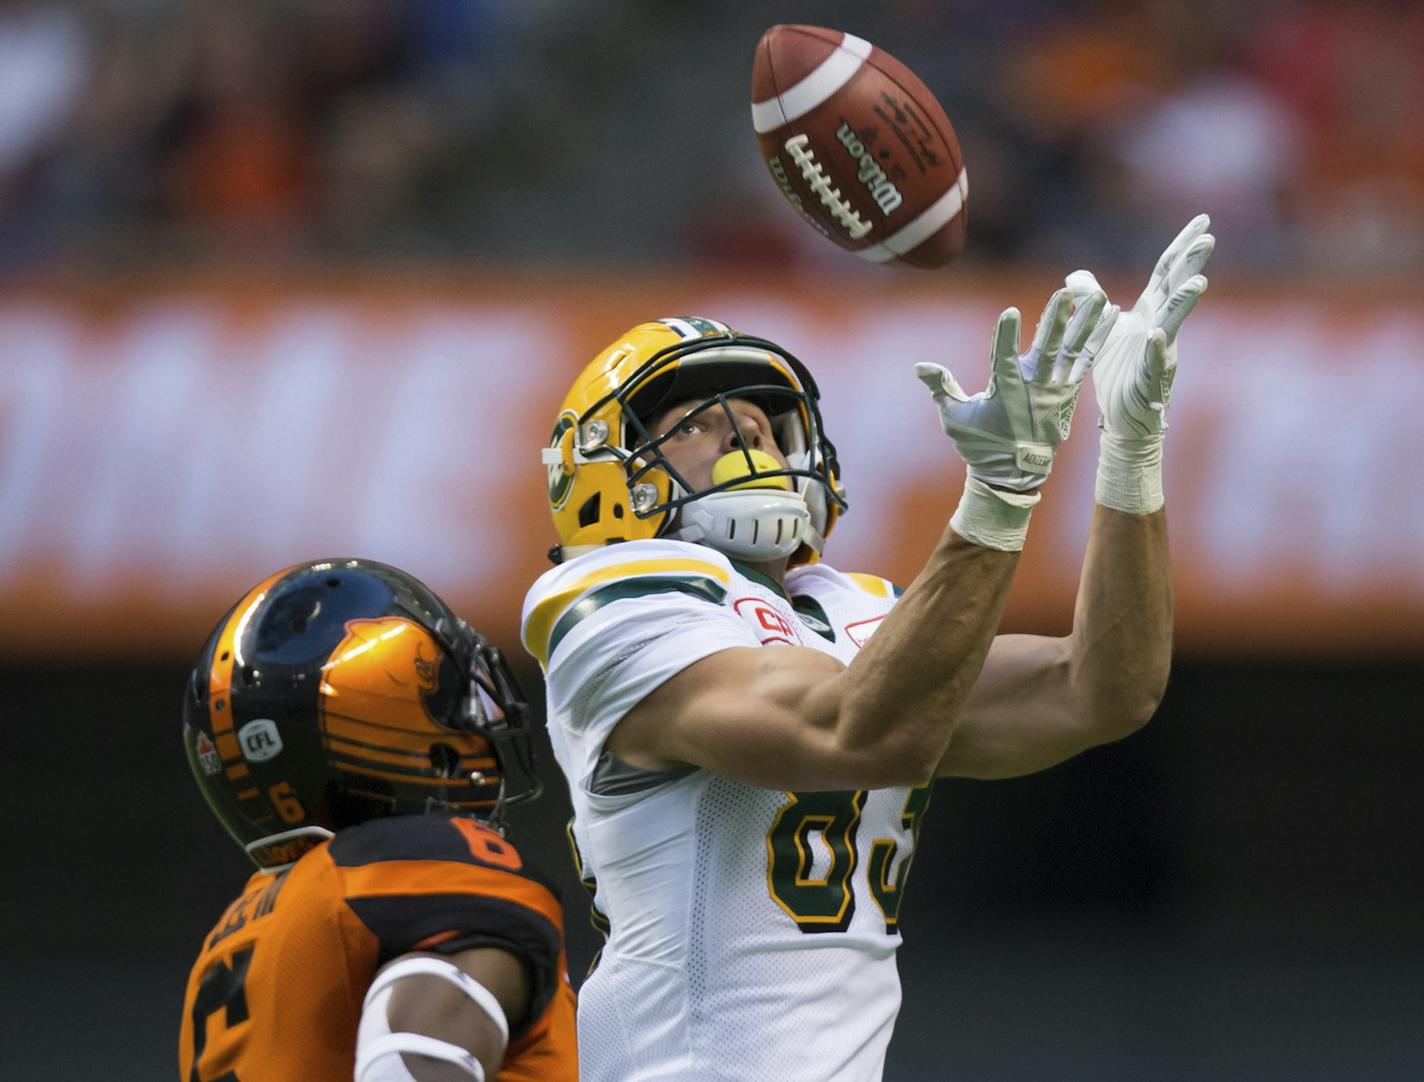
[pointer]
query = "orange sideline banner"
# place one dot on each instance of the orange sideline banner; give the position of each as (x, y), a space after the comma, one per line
(161, 449)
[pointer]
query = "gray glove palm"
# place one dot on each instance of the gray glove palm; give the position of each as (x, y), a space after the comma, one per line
(1009, 432)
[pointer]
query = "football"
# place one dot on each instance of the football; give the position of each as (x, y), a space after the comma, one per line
(859, 146)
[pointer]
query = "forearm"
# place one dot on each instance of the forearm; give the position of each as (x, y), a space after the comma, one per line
(908, 685)
(888, 717)
(1039, 700)
(433, 1018)
(1121, 644)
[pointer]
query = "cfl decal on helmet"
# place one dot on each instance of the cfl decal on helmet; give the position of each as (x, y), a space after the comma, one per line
(624, 488)
(260, 740)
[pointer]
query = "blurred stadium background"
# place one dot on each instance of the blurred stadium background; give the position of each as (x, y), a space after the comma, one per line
(300, 278)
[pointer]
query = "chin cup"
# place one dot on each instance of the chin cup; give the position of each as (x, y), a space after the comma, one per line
(749, 523)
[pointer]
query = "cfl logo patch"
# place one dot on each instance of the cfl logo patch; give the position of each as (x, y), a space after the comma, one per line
(260, 740)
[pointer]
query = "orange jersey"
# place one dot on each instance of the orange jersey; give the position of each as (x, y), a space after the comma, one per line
(277, 990)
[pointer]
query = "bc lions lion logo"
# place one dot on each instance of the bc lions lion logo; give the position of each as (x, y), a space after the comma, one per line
(380, 672)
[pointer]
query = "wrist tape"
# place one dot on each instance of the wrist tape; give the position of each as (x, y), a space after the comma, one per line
(1130, 474)
(993, 517)
(378, 1050)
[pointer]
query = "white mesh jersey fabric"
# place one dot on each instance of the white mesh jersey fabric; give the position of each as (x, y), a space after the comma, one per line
(752, 931)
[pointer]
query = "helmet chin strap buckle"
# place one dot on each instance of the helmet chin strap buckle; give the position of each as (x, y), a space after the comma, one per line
(494, 819)
(748, 524)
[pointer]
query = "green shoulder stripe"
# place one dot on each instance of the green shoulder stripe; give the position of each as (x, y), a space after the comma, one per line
(762, 577)
(705, 588)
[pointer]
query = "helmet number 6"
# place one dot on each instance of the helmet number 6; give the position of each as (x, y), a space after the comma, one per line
(285, 801)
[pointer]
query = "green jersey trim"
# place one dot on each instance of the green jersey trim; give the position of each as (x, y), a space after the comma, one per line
(705, 588)
(762, 578)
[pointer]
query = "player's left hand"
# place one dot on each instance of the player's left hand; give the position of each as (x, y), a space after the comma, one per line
(1138, 363)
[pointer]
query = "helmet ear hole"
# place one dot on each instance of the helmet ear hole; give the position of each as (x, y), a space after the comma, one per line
(444, 760)
(588, 513)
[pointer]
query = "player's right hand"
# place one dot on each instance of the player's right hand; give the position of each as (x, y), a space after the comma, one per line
(1009, 432)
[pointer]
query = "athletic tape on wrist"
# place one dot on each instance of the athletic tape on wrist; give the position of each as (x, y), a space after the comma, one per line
(446, 971)
(378, 1050)
(390, 1047)
(1130, 474)
(993, 517)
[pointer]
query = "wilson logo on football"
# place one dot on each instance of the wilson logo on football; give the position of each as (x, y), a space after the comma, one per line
(887, 197)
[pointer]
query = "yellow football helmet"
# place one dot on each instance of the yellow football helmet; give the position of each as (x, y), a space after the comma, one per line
(608, 478)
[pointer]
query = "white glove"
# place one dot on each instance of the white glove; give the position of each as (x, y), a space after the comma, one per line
(1136, 367)
(1009, 432)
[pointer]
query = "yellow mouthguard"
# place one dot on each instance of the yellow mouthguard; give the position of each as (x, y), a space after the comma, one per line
(734, 464)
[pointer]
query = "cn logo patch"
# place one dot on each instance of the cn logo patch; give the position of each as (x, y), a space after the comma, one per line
(769, 625)
(260, 740)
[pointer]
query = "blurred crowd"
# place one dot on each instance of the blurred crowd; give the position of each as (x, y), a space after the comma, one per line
(175, 133)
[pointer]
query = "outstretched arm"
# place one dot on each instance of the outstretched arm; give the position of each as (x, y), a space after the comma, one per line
(796, 718)
(791, 717)
(1041, 700)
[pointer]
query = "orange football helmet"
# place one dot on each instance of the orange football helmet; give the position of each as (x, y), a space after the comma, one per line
(340, 690)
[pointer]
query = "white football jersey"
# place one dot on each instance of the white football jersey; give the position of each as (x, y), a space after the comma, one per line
(752, 932)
